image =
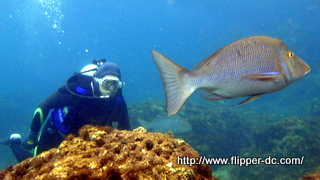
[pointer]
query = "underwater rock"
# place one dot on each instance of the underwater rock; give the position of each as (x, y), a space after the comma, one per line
(106, 153)
(311, 176)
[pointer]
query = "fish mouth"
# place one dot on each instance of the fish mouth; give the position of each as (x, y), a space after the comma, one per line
(308, 69)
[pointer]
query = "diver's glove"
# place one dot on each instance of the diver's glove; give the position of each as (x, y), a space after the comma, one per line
(31, 141)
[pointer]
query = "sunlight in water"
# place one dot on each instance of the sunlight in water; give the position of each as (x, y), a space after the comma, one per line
(53, 12)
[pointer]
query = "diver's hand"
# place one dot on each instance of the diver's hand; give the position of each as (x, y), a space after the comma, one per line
(32, 141)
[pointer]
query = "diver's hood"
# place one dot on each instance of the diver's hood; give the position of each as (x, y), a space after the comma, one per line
(107, 68)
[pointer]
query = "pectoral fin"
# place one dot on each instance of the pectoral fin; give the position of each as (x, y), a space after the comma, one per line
(269, 76)
(250, 99)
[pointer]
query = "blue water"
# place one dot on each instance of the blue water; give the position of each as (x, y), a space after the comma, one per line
(42, 42)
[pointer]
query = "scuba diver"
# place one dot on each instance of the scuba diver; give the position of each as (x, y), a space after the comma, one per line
(93, 96)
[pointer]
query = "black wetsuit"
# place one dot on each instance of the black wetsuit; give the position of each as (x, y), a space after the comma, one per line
(96, 111)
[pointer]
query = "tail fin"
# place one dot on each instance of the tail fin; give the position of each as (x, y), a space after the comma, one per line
(175, 81)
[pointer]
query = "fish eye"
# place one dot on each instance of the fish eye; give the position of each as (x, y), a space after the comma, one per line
(290, 54)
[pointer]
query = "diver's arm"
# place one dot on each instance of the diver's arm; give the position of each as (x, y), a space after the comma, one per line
(57, 99)
(123, 116)
(39, 116)
(61, 98)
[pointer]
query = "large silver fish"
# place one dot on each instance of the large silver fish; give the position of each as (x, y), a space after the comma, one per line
(251, 66)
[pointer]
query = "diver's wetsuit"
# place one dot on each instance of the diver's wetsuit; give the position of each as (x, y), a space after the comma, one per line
(96, 111)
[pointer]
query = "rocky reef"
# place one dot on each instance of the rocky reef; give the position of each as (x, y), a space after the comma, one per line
(311, 176)
(222, 129)
(106, 153)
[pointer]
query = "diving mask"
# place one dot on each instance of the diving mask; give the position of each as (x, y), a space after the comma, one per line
(109, 85)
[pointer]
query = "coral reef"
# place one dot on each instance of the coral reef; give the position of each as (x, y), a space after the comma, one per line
(106, 153)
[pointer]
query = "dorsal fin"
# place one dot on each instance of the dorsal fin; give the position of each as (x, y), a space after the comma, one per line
(205, 62)
(209, 59)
